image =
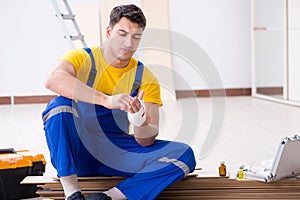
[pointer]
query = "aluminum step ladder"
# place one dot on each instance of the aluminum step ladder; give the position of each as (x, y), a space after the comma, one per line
(70, 26)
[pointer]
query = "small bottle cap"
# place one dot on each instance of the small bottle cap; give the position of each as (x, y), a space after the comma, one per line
(222, 162)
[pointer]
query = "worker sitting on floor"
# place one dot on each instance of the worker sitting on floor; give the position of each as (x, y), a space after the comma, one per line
(101, 91)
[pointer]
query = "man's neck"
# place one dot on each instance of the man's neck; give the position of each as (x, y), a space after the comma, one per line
(111, 60)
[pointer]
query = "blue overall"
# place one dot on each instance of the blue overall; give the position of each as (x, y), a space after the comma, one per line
(91, 140)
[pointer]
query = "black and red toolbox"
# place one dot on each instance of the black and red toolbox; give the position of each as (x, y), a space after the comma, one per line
(14, 167)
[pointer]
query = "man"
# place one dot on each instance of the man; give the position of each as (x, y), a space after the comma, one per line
(101, 91)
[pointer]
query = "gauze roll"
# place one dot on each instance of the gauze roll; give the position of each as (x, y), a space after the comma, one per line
(138, 118)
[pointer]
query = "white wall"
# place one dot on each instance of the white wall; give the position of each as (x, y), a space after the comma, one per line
(222, 29)
(269, 44)
(32, 40)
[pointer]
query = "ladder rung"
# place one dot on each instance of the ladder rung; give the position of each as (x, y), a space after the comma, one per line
(68, 16)
(75, 34)
(76, 37)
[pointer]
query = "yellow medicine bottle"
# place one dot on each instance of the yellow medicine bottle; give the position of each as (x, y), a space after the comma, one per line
(241, 174)
(222, 169)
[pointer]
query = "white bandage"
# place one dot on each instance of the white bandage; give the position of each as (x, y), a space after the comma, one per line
(138, 118)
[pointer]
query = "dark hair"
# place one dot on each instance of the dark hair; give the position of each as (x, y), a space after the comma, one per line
(131, 12)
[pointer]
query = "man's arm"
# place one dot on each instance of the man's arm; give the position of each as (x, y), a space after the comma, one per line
(146, 133)
(62, 80)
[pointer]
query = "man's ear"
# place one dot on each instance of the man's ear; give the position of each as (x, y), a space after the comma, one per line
(108, 31)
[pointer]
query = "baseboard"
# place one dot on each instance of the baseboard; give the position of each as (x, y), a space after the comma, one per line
(5, 100)
(26, 99)
(33, 99)
(179, 94)
(214, 92)
(269, 90)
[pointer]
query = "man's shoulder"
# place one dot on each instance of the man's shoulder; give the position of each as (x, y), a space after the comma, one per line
(147, 70)
(94, 49)
(149, 73)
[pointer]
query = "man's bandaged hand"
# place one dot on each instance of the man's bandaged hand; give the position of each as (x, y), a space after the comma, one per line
(138, 118)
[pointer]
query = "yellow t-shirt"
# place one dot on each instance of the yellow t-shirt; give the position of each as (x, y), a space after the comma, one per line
(111, 80)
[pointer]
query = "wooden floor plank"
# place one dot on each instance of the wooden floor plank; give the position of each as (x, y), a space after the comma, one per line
(191, 188)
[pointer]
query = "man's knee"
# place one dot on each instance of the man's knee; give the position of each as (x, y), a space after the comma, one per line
(59, 101)
(191, 161)
(58, 106)
(188, 156)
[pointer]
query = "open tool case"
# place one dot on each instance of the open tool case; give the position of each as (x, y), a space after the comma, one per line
(286, 163)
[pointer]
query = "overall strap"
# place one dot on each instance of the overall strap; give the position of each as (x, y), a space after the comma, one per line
(93, 72)
(138, 79)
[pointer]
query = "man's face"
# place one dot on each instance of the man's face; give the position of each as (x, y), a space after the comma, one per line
(124, 38)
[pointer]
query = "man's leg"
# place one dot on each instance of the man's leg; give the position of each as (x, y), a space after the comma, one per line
(170, 166)
(150, 169)
(61, 135)
(70, 184)
(68, 155)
